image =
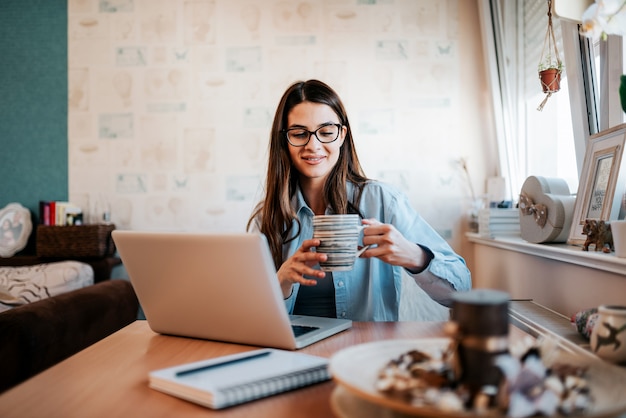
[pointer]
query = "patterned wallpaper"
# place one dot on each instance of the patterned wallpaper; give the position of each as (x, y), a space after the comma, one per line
(171, 101)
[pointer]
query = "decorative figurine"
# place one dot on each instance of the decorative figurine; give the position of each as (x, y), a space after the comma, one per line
(599, 234)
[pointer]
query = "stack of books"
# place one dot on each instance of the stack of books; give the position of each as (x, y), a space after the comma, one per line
(59, 213)
(496, 222)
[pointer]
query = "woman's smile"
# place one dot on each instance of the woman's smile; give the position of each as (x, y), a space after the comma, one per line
(314, 159)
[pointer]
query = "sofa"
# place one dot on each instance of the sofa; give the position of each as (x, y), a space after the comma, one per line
(36, 335)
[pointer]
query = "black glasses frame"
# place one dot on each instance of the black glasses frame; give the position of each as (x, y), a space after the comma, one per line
(338, 125)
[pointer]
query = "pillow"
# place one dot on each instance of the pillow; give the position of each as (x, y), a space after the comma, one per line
(25, 284)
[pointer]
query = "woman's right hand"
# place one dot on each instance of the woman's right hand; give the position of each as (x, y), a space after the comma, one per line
(299, 264)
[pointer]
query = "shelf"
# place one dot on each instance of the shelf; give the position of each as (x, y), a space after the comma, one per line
(561, 252)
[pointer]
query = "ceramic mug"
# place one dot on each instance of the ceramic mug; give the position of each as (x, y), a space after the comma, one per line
(618, 230)
(608, 337)
(339, 237)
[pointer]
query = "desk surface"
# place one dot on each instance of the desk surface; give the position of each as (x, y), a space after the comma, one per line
(110, 378)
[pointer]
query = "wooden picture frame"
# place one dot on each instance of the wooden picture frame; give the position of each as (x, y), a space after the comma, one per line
(15, 228)
(603, 177)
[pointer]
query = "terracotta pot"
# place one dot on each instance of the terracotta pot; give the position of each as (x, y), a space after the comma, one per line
(550, 80)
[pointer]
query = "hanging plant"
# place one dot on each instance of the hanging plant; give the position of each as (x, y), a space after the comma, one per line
(550, 64)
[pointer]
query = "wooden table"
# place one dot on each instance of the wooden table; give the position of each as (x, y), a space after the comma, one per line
(110, 378)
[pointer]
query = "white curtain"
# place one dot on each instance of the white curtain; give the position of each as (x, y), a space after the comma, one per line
(501, 64)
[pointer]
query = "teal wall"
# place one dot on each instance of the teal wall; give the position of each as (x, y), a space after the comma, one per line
(33, 102)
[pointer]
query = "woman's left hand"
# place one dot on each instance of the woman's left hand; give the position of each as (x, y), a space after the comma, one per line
(390, 246)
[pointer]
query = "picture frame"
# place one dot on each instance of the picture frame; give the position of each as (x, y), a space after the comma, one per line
(15, 228)
(602, 186)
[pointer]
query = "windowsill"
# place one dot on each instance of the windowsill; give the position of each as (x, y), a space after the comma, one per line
(561, 252)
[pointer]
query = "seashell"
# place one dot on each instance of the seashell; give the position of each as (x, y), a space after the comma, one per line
(385, 384)
(575, 382)
(450, 401)
(548, 403)
(554, 384)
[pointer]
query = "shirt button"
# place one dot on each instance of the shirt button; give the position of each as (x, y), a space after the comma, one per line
(340, 284)
(343, 314)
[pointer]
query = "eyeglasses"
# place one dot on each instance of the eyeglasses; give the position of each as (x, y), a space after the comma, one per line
(299, 137)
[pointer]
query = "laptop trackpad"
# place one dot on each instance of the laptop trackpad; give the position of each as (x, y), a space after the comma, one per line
(299, 330)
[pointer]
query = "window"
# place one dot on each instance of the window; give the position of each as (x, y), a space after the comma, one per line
(546, 135)
(607, 63)
(550, 142)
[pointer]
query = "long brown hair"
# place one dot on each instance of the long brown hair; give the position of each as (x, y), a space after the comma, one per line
(276, 215)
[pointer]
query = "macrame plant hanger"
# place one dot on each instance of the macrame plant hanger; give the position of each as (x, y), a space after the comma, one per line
(550, 64)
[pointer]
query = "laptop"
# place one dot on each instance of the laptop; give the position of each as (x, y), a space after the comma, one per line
(216, 287)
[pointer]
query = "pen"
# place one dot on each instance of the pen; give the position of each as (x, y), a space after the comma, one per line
(223, 363)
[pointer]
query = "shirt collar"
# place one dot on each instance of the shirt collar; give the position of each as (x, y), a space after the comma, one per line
(300, 204)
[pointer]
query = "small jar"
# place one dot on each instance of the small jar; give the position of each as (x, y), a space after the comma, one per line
(608, 337)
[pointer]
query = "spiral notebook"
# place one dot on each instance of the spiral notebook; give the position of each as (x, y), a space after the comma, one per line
(234, 379)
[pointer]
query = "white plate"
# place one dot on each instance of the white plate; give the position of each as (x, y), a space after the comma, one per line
(356, 369)
(346, 404)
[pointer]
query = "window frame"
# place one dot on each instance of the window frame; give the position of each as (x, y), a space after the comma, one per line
(576, 53)
(590, 115)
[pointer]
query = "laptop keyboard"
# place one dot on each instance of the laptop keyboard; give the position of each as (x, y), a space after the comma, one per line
(299, 330)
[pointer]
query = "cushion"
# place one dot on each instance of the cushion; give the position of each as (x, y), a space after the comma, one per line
(25, 284)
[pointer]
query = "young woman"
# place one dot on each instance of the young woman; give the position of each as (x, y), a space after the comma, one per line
(313, 169)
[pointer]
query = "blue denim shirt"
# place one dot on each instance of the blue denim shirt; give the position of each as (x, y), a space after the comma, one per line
(371, 290)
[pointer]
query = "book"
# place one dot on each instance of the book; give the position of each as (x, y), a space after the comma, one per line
(234, 379)
(53, 213)
(44, 212)
(498, 222)
(500, 226)
(499, 229)
(57, 213)
(500, 211)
